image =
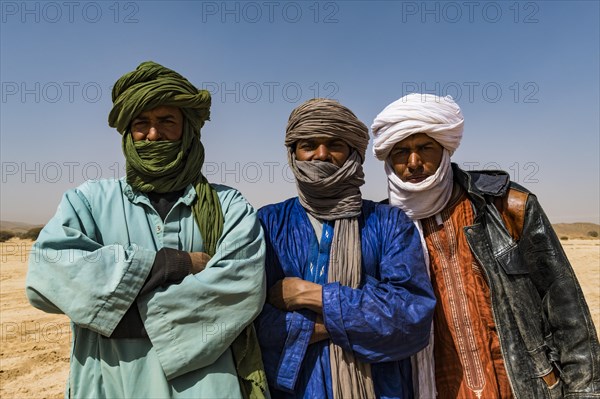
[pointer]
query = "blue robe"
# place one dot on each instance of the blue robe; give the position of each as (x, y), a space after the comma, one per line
(384, 321)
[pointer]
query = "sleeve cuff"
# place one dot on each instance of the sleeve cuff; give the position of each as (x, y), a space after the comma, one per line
(300, 328)
(178, 264)
(333, 317)
(113, 310)
(170, 266)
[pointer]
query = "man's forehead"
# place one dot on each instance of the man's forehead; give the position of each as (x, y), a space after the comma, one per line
(321, 138)
(415, 139)
(160, 111)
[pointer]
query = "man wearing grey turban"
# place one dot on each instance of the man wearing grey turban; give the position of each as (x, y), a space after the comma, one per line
(349, 298)
(160, 272)
(511, 319)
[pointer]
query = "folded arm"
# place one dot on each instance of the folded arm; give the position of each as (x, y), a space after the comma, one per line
(192, 323)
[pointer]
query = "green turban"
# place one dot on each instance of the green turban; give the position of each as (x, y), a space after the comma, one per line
(152, 85)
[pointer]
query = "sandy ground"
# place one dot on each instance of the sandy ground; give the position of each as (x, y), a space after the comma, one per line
(584, 256)
(34, 346)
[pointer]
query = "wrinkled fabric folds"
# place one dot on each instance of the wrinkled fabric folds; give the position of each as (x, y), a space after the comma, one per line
(327, 191)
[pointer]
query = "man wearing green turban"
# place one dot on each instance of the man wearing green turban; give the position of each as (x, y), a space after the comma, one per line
(160, 272)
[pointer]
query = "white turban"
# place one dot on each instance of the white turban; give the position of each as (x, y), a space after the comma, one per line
(438, 117)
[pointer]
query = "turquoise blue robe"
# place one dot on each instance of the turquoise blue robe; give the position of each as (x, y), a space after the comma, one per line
(90, 262)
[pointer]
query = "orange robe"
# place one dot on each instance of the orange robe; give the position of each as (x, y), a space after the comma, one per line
(468, 360)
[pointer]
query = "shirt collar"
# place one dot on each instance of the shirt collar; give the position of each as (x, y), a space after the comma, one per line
(135, 196)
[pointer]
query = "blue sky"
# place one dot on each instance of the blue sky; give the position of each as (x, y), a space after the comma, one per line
(526, 75)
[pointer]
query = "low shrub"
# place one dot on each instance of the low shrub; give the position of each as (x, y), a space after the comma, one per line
(32, 234)
(6, 235)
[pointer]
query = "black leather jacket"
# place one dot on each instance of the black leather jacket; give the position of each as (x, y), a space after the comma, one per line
(541, 316)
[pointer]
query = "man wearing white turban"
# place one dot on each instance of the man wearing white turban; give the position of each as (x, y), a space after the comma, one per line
(511, 320)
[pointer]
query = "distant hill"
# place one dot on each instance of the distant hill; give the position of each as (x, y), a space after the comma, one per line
(569, 230)
(17, 227)
(577, 230)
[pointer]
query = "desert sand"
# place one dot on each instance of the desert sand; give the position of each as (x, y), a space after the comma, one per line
(34, 346)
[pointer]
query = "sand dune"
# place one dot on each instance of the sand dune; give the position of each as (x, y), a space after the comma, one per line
(34, 352)
(16, 227)
(572, 231)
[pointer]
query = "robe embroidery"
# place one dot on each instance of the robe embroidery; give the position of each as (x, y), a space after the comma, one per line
(467, 352)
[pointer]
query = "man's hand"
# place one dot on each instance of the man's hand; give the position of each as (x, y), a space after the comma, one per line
(320, 333)
(199, 261)
(293, 293)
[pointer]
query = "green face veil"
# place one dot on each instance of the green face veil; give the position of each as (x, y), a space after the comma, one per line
(165, 166)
